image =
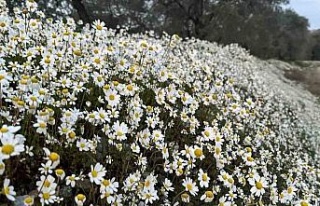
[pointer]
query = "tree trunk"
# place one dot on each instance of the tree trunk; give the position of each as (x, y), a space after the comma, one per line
(81, 10)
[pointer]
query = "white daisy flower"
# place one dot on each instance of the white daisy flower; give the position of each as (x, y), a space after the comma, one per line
(80, 199)
(8, 190)
(11, 146)
(112, 97)
(120, 130)
(8, 131)
(71, 180)
(258, 184)
(5, 78)
(97, 173)
(207, 196)
(47, 196)
(190, 186)
(203, 178)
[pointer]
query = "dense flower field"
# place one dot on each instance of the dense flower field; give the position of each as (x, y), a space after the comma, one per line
(94, 116)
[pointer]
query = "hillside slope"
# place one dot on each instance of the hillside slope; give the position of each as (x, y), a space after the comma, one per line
(297, 84)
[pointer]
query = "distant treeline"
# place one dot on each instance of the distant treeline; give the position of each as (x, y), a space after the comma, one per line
(262, 26)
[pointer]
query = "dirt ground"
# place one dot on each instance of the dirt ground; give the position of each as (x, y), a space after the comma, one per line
(307, 73)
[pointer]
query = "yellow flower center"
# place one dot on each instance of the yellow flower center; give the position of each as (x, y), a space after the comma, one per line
(59, 172)
(33, 98)
(102, 116)
(7, 149)
(64, 129)
(6, 190)
(54, 156)
(218, 150)
(281, 195)
(106, 183)
(129, 87)
(72, 135)
(42, 125)
(20, 103)
(132, 69)
(46, 183)
(47, 60)
(65, 91)
(46, 195)
(97, 61)
(230, 180)
(259, 185)
(99, 27)
(209, 194)
(106, 87)
(131, 180)
(189, 187)
(42, 92)
(2, 77)
(185, 196)
(147, 183)
(112, 97)
(96, 51)
(207, 133)
(119, 133)
(107, 194)
(77, 52)
(54, 35)
(198, 152)
(94, 173)
(304, 203)
(250, 159)
(99, 78)
(144, 44)
(290, 190)
(204, 177)
(224, 176)
(81, 197)
(4, 130)
(184, 99)
(28, 200)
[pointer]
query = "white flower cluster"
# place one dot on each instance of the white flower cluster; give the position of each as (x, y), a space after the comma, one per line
(109, 118)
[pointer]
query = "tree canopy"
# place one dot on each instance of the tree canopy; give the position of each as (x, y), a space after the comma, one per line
(262, 26)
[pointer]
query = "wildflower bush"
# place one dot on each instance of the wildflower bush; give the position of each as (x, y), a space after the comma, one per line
(94, 116)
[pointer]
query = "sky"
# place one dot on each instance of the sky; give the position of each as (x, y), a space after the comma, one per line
(309, 9)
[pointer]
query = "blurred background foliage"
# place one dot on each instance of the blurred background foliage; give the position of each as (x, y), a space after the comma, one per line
(262, 26)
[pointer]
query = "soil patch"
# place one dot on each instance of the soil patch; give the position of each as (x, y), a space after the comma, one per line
(308, 76)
